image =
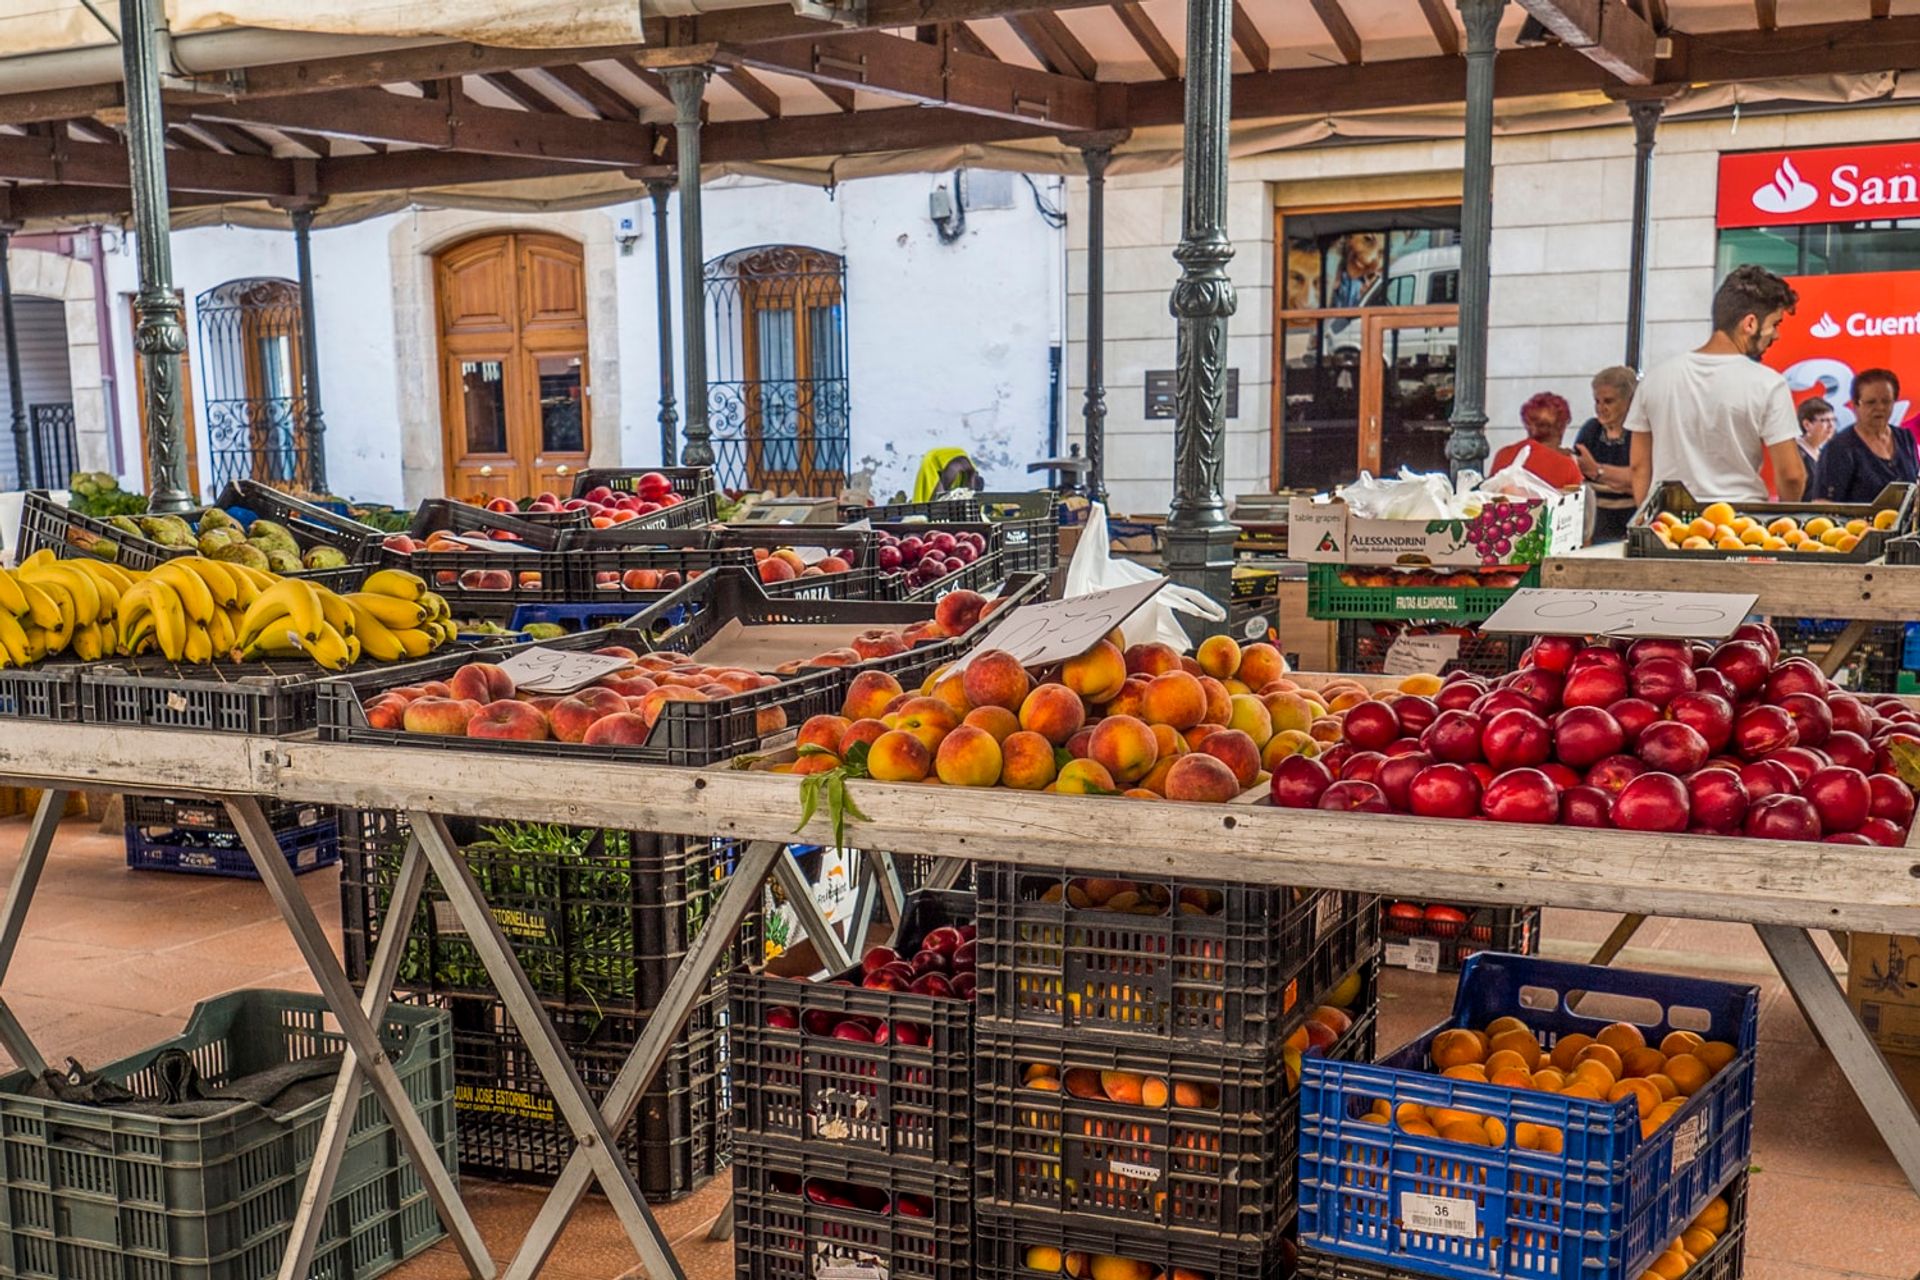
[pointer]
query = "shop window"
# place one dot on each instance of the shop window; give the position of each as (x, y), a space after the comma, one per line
(255, 386)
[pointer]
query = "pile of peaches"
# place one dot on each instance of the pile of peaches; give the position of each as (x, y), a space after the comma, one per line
(955, 614)
(1140, 721)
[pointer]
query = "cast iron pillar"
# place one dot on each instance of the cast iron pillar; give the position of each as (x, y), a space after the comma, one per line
(1096, 406)
(658, 188)
(1467, 447)
(1199, 537)
(1646, 113)
(316, 477)
(687, 84)
(26, 465)
(160, 330)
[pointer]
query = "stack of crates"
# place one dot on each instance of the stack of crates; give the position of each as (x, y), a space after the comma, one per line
(1140, 1044)
(852, 1142)
(195, 836)
(599, 932)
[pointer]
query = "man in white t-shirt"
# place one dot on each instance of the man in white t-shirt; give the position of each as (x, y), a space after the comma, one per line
(1709, 417)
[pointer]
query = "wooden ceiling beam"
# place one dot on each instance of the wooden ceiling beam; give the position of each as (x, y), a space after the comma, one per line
(655, 82)
(1133, 16)
(1057, 48)
(966, 41)
(1446, 33)
(524, 93)
(1767, 14)
(1607, 31)
(1339, 29)
(101, 164)
(758, 93)
(595, 92)
(1882, 9)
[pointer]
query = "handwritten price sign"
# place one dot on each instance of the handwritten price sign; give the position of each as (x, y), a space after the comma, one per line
(541, 670)
(1042, 634)
(1676, 615)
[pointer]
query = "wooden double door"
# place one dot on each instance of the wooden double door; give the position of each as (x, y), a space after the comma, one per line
(514, 390)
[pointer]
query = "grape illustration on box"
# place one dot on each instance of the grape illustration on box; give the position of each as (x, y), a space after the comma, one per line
(1503, 532)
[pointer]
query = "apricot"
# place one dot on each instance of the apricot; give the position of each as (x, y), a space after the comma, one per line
(1644, 1095)
(1595, 1073)
(1538, 1137)
(1582, 1088)
(1642, 1062)
(1124, 747)
(1260, 664)
(1249, 715)
(1549, 1080)
(968, 757)
(1153, 1092)
(1197, 776)
(1084, 778)
(823, 731)
(1084, 1083)
(1218, 656)
(869, 694)
(1605, 1055)
(1097, 674)
(1508, 1060)
(1512, 1078)
(1717, 1055)
(1053, 711)
(1123, 1086)
(995, 678)
(1237, 751)
(1469, 1071)
(1456, 1047)
(998, 721)
(1176, 699)
(1188, 1094)
(898, 756)
(1677, 1042)
(1499, 1025)
(1469, 1132)
(928, 719)
(1664, 1083)
(1688, 1073)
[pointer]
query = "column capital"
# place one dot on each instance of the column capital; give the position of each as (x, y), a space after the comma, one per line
(1481, 18)
(1645, 113)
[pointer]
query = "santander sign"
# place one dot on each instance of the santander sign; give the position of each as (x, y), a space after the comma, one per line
(1828, 184)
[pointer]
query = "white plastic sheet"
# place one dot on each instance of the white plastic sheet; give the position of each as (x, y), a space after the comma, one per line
(1093, 568)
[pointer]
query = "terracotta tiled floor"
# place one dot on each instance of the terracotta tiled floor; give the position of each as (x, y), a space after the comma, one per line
(113, 960)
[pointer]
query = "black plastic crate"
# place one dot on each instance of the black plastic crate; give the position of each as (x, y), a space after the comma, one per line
(1726, 1260)
(44, 523)
(1208, 1153)
(1674, 496)
(306, 848)
(267, 698)
(860, 581)
(1873, 666)
(980, 575)
(1227, 976)
(309, 521)
(898, 1222)
(597, 574)
(686, 733)
(939, 509)
(699, 503)
(45, 691)
(529, 555)
(892, 1103)
(450, 515)
(194, 814)
(1363, 647)
(1442, 946)
(1032, 1244)
(1030, 529)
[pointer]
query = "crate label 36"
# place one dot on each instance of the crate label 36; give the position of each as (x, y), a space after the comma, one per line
(1438, 1215)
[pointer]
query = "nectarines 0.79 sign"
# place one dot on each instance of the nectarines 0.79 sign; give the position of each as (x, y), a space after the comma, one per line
(1825, 184)
(1674, 615)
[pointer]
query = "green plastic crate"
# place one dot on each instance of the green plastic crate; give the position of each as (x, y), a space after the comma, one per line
(1328, 597)
(89, 1193)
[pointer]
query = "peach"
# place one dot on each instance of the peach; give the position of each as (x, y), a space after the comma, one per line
(387, 713)
(817, 762)
(916, 633)
(406, 693)
(572, 717)
(1140, 793)
(1169, 740)
(995, 678)
(773, 570)
(1176, 699)
(1219, 701)
(1191, 666)
(833, 657)
(1080, 744)
(1027, 761)
(434, 689)
(617, 651)
(869, 692)
(1156, 779)
(894, 704)
(1124, 747)
(1200, 733)
(951, 688)
(481, 681)
(628, 686)
(1218, 656)
(823, 731)
(959, 610)
(1084, 778)
(768, 721)
(1233, 748)
(881, 642)
(1097, 674)
(997, 721)
(1151, 660)
(898, 756)
(1289, 742)
(1053, 711)
(1198, 776)
(859, 731)
(1325, 729)
(623, 729)
(1250, 717)
(1132, 698)
(968, 757)
(1261, 664)
(446, 717)
(927, 719)
(654, 704)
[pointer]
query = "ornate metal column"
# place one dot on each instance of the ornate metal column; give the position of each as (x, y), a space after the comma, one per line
(1646, 113)
(26, 465)
(663, 301)
(160, 332)
(687, 84)
(1468, 445)
(1096, 406)
(316, 476)
(1199, 537)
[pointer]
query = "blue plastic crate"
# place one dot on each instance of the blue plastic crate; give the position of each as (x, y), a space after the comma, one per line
(1910, 652)
(1601, 1209)
(306, 848)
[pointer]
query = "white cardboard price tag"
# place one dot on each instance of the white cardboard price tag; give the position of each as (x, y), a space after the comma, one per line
(1438, 1215)
(812, 555)
(1040, 635)
(1420, 655)
(1688, 1138)
(542, 670)
(1423, 955)
(481, 542)
(1677, 615)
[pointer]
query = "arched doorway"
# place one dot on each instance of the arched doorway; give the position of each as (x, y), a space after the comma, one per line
(777, 395)
(254, 383)
(513, 364)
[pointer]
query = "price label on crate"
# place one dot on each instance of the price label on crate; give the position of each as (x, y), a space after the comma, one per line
(1423, 955)
(1042, 634)
(1420, 655)
(1438, 1215)
(481, 542)
(1688, 1138)
(543, 670)
(1677, 615)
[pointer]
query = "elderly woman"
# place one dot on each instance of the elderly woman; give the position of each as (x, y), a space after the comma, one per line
(1545, 417)
(1604, 452)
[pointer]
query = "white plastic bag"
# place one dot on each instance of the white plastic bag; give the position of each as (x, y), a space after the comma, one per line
(1515, 481)
(1410, 496)
(1093, 568)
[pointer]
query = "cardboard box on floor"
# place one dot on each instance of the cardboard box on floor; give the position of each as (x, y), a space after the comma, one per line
(1883, 986)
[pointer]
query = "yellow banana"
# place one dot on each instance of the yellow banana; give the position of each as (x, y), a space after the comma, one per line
(329, 650)
(353, 649)
(260, 578)
(220, 631)
(121, 578)
(199, 647)
(377, 640)
(13, 640)
(80, 589)
(61, 632)
(397, 584)
(291, 597)
(40, 605)
(195, 596)
(36, 642)
(225, 590)
(338, 613)
(110, 588)
(88, 643)
(275, 642)
(39, 559)
(436, 605)
(394, 613)
(416, 642)
(153, 598)
(12, 599)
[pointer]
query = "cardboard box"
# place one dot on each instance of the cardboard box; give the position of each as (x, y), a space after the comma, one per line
(1327, 532)
(1309, 643)
(1883, 986)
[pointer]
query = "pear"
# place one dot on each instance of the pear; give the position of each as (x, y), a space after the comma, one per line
(125, 524)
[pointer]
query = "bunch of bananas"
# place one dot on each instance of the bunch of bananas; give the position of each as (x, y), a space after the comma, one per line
(198, 610)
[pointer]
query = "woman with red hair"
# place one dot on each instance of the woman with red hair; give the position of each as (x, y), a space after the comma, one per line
(1545, 417)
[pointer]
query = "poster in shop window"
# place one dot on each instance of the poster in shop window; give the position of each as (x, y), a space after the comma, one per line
(1845, 324)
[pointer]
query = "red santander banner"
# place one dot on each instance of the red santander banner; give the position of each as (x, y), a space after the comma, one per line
(1846, 324)
(1825, 184)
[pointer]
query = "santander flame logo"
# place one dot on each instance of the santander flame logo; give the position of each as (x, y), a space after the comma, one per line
(1825, 326)
(1787, 193)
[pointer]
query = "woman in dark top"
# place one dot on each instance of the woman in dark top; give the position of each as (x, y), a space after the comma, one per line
(1870, 455)
(1602, 450)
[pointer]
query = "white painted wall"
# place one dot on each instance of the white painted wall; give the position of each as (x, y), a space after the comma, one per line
(947, 344)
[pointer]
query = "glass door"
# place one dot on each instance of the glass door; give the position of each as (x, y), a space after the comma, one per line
(1407, 391)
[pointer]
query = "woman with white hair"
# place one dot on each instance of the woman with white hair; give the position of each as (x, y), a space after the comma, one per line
(1605, 453)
